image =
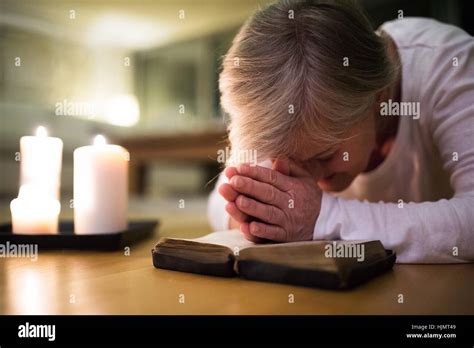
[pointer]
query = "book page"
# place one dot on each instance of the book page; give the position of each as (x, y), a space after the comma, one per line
(235, 239)
(229, 238)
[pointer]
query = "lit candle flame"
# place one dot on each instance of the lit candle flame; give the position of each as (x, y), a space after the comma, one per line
(100, 140)
(41, 132)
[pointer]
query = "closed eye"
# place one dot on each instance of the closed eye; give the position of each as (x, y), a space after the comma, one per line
(315, 161)
(326, 158)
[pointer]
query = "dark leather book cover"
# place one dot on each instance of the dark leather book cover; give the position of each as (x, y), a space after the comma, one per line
(307, 265)
(187, 256)
(302, 263)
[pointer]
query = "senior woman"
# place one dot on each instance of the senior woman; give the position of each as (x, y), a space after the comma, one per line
(359, 134)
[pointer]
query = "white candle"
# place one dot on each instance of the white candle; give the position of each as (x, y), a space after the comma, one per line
(34, 211)
(41, 158)
(100, 188)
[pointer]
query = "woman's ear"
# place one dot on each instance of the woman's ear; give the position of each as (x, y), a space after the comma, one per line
(382, 96)
(379, 97)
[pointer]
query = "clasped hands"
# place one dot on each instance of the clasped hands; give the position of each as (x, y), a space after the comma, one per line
(280, 204)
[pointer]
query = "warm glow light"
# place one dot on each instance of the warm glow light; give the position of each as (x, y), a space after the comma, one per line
(122, 110)
(32, 290)
(100, 140)
(41, 132)
(124, 30)
(31, 192)
(36, 200)
(34, 211)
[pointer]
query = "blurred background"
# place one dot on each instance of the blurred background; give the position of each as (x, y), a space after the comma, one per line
(143, 73)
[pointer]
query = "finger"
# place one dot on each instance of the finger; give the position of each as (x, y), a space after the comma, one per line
(266, 175)
(259, 190)
(234, 212)
(271, 232)
(229, 172)
(262, 211)
(296, 170)
(228, 192)
(244, 228)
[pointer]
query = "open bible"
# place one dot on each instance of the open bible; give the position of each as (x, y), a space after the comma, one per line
(324, 264)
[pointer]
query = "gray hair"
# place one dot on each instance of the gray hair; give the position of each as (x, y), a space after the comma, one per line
(284, 77)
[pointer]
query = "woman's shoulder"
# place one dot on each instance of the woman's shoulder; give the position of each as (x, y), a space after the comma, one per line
(436, 58)
(437, 69)
(425, 32)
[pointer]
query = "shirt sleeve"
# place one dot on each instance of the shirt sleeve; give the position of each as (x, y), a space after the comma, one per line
(216, 214)
(426, 232)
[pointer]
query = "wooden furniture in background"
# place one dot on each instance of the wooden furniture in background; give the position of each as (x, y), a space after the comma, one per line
(200, 148)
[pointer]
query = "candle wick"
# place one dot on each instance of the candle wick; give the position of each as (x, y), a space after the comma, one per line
(100, 140)
(41, 132)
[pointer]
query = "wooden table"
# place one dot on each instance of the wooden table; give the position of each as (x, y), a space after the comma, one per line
(112, 283)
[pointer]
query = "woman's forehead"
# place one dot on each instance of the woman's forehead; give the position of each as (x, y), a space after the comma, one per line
(307, 150)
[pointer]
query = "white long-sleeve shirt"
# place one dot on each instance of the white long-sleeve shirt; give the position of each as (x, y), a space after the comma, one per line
(420, 200)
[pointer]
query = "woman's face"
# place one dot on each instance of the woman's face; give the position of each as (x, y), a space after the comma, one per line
(335, 167)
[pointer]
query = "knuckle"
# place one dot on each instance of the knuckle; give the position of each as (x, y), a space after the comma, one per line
(240, 202)
(247, 184)
(271, 194)
(249, 204)
(256, 228)
(268, 213)
(292, 194)
(287, 215)
(272, 177)
(292, 185)
(277, 216)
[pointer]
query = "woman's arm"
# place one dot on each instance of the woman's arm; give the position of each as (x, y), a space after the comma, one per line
(441, 231)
